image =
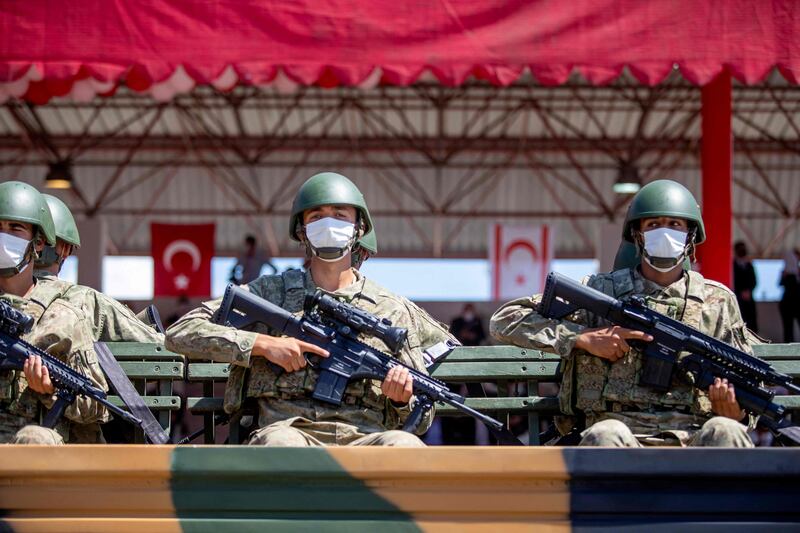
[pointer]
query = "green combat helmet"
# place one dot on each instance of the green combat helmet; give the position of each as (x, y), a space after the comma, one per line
(330, 188)
(22, 203)
(66, 230)
(664, 198)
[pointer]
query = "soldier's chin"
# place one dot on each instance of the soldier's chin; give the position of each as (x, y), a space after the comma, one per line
(331, 255)
(664, 264)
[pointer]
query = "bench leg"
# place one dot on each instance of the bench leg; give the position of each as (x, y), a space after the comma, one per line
(210, 433)
(138, 434)
(165, 415)
(533, 416)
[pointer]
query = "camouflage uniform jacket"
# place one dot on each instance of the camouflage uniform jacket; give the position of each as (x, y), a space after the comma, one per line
(364, 407)
(596, 386)
(110, 320)
(63, 331)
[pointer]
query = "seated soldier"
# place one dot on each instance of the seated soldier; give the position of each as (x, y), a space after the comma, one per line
(330, 218)
(60, 329)
(601, 371)
(110, 320)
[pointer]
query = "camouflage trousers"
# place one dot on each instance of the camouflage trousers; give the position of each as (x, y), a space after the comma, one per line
(37, 435)
(16, 429)
(301, 432)
(718, 431)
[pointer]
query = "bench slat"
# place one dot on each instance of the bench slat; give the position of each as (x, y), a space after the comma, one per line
(463, 371)
(777, 350)
(142, 350)
(204, 405)
(787, 367)
(207, 371)
(487, 371)
(153, 370)
(498, 353)
(512, 404)
(156, 403)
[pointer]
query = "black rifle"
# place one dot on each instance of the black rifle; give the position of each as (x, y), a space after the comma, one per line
(335, 326)
(68, 382)
(706, 358)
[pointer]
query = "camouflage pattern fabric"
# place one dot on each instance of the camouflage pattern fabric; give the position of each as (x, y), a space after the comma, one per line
(63, 331)
(302, 432)
(38, 435)
(717, 431)
(110, 320)
(287, 396)
(598, 387)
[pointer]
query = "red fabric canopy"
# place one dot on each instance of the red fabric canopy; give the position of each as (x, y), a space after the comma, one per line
(85, 48)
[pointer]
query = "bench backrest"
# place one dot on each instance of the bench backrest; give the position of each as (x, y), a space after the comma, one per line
(516, 372)
(152, 369)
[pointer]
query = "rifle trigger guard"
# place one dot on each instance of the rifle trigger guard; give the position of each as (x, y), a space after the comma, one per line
(310, 361)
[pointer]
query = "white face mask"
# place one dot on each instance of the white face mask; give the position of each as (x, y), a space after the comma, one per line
(12, 254)
(664, 248)
(330, 238)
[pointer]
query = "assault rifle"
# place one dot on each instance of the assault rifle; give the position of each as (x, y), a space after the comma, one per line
(705, 357)
(69, 383)
(334, 326)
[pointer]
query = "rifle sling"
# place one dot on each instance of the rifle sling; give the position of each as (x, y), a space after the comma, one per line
(124, 388)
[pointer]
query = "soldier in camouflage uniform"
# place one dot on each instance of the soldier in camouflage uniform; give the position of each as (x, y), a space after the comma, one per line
(110, 320)
(601, 369)
(60, 328)
(330, 218)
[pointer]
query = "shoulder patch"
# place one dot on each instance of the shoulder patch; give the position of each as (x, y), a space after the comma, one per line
(50, 290)
(265, 284)
(623, 282)
(294, 279)
(718, 285)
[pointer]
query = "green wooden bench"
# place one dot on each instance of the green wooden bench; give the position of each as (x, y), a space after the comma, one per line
(152, 369)
(503, 365)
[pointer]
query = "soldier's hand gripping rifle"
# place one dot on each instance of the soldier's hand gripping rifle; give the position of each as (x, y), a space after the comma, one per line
(705, 357)
(68, 382)
(335, 326)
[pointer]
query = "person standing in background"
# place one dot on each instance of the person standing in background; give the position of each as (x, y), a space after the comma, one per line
(249, 264)
(468, 327)
(788, 306)
(744, 283)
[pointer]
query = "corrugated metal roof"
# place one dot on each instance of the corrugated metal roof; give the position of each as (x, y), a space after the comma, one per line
(525, 154)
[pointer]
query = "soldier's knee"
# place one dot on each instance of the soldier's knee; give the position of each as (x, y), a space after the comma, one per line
(723, 431)
(609, 433)
(396, 437)
(38, 435)
(285, 436)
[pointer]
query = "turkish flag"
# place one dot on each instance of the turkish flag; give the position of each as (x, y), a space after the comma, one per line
(520, 258)
(182, 259)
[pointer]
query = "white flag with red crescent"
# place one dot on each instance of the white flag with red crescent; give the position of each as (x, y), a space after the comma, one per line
(520, 257)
